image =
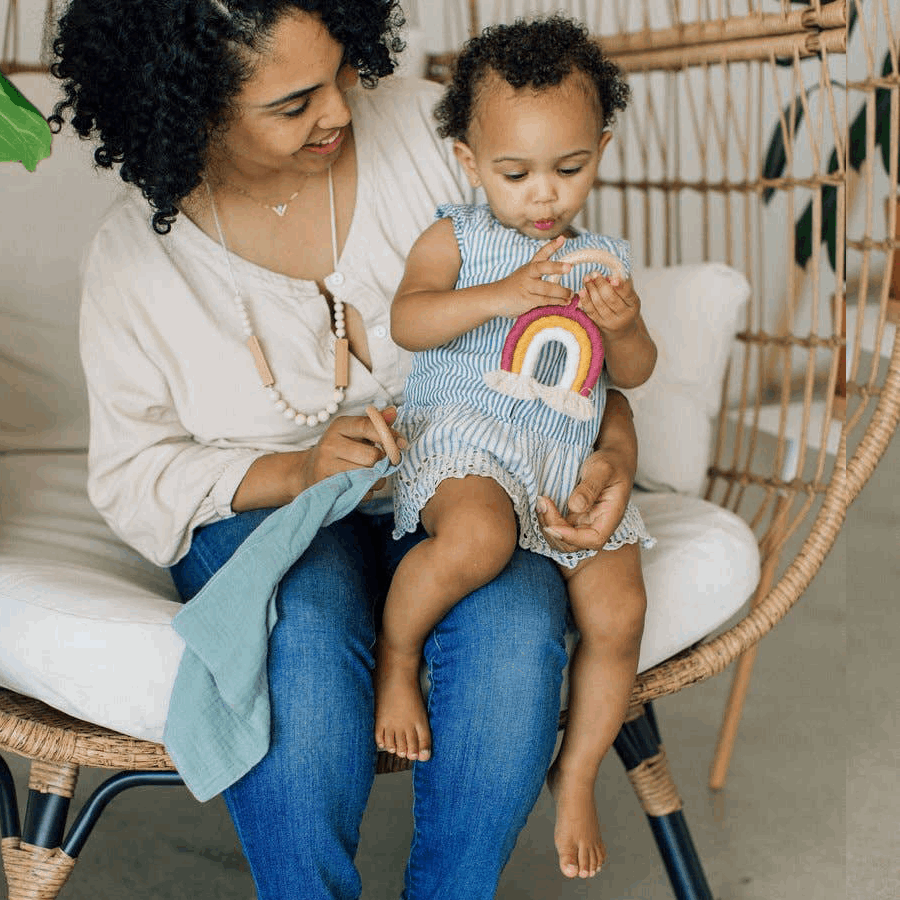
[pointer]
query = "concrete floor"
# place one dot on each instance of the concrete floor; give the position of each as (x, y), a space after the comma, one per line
(809, 810)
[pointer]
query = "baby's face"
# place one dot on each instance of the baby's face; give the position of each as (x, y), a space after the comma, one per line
(535, 152)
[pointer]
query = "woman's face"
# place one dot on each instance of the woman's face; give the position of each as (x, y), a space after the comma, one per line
(291, 114)
(535, 152)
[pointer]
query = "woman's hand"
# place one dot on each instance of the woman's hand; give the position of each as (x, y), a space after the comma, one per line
(596, 506)
(527, 287)
(598, 501)
(349, 442)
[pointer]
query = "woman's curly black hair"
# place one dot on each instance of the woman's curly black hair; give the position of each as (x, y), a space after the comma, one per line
(539, 53)
(154, 79)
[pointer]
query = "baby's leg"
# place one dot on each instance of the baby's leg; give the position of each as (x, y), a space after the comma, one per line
(471, 530)
(608, 603)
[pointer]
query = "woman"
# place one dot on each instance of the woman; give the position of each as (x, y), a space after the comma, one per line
(231, 342)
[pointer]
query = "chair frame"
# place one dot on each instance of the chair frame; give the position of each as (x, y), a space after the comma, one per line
(807, 509)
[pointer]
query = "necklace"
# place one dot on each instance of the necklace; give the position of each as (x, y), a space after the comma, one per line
(341, 347)
(279, 208)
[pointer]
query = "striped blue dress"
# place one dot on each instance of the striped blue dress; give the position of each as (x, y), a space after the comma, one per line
(457, 425)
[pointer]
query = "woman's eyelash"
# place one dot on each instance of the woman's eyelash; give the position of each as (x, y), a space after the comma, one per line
(297, 111)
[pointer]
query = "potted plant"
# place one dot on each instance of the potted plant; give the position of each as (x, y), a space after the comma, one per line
(776, 159)
(24, 133)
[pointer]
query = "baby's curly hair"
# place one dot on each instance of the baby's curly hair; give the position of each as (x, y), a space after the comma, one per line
(539, 53)
(154, 79)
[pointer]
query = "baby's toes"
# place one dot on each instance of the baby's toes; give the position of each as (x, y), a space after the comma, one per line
(412, 743)
(584, 861)
(390, 741)
(601, 854)
(568, 862)
(424, 736)
(597, 858)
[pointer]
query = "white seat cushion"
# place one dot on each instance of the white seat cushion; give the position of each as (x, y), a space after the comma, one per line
(85, 621)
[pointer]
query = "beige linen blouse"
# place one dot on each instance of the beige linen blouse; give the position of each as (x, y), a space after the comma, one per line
(176, 408)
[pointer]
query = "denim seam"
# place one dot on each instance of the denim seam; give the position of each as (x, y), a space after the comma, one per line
(410, 875)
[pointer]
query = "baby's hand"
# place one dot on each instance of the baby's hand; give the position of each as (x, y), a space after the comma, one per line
(611, 304)
(526, 288)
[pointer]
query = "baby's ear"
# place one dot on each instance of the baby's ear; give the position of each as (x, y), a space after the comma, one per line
(605, 138)
(466, 157)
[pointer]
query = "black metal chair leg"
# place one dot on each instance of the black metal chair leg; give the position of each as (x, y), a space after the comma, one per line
(37, 858)
(32, 860)
(98, 801)
(9, 808)
(640, 749)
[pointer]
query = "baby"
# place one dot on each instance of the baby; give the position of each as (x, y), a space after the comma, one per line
(529, 108)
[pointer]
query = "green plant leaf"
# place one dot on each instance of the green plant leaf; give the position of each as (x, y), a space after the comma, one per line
(883, 135)
(24, 133)
(776, 157)
(856, 140)
(803, 239)
(829, 223)
(803, 243)
(856, 154)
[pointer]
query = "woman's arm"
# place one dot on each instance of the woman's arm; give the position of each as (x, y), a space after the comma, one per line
(598, 502)
(427, 310)
(350, 442)
(148, 477)
(155, 484)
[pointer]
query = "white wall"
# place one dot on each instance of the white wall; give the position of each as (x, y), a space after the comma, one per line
(31, 24)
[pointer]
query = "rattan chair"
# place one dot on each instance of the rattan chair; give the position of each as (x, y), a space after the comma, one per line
(687, 186)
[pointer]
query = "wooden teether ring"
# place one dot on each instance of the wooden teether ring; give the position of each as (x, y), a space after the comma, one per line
(595, 255)
(384, 434)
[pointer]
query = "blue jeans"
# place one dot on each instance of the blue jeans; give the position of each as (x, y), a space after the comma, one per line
(496, 665)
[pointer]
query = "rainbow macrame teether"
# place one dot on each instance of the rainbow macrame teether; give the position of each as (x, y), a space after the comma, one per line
(568, 326)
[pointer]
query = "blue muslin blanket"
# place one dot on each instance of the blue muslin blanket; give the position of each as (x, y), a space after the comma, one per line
(217, 727)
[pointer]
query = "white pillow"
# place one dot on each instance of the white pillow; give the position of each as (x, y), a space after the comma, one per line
(692, 312)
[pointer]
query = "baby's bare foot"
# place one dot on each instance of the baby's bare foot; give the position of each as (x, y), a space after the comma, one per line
(401, 723)
(577, 833)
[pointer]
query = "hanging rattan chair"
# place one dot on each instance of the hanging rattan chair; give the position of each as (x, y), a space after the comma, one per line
(813, 394)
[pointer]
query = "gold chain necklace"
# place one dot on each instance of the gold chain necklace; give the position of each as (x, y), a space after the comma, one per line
(278, 208)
